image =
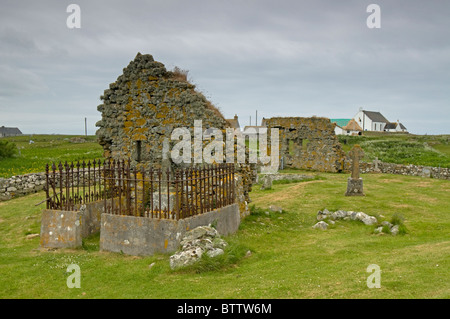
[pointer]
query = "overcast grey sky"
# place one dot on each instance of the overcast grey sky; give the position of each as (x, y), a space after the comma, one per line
(282, 58)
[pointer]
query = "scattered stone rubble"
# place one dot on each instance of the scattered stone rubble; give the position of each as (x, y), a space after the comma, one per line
(195, 243)
(326, 217)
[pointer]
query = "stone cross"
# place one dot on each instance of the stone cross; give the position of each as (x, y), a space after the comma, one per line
(376, 161)
(356, 153)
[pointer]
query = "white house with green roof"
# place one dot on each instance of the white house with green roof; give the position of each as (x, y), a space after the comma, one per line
(340, 123)
(366, 121)
(346, 127)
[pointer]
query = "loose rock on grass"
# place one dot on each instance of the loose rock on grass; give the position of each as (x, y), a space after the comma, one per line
(386, 227)
(196, 242)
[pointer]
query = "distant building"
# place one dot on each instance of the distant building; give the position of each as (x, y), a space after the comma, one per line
(376, 122)
(346, 127)
(234, 122)
(250, 130)
(352, 128)
(370, 121)
(9, 131)
(340, 123)
(366, 121)
(395, 127)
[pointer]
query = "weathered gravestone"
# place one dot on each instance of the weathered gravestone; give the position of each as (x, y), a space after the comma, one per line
(267, 181)
(355, 183)
(376, 162)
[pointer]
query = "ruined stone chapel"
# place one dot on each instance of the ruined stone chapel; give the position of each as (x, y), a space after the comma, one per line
(147, 102)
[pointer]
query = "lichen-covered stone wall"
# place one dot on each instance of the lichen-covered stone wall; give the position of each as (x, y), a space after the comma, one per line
(309, 143)
(144, 105)
(407, 170)
(21, 185)
(141, 109)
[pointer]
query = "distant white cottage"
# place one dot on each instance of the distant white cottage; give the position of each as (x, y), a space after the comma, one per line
(376, 122)
(395, 127)
(371, 121)
(346, 127)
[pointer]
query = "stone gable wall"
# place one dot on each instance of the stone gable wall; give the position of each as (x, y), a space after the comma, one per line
(141, 109)
(146, 103)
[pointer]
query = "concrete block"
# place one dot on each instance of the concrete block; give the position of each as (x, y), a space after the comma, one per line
(61, 229)
(147, 236)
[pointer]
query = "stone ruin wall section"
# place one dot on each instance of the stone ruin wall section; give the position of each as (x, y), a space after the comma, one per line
(144, 105)
(309, 143)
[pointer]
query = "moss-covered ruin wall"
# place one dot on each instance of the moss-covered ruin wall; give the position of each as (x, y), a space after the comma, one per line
(143, 107)
(308, 143)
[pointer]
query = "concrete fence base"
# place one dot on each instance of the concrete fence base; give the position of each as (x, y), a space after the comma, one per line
(66, 229)
(147, 236)
(61, 229)
(128, 234)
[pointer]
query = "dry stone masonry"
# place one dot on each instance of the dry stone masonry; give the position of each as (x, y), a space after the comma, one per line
(21, 185)
(144, 105)
(308, 143)
(142, 108)
(409, 170)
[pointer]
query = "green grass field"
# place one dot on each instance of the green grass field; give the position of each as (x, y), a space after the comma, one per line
(47, 149)
(289, 259)
(429, 150)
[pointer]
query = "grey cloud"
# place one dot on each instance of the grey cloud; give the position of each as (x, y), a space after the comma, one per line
(283, 58)
(16, 82)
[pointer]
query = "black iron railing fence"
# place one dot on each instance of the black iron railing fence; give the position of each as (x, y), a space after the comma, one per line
(153, 193)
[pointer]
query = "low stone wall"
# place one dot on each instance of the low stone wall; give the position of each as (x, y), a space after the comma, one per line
(147, 236)
(21, 185)
(410, 170)
(31, 183)
(268, 179)
(287, 177)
